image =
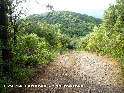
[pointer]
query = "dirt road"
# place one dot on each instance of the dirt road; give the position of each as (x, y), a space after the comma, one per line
(77, 72)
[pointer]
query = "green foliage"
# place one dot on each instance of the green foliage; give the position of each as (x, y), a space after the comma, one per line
(3, 81)
(21, 75)
(74, 43)
(64, 41)
(70, 23)
(108, 38)
(51, 33)
(31, 49)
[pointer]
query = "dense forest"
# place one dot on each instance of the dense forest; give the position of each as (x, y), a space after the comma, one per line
(37, 39)
(70, 23)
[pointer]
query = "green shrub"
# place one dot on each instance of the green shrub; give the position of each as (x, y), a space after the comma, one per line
(49, 32)
(31, 50)
(3, 81)
(21, 75)
(74, 43)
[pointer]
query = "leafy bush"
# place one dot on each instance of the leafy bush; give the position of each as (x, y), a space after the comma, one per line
(50, 33)
(21, 75)
(108, 38)
(3, 81)
(31, 50)
(64, 41)
(74, 43)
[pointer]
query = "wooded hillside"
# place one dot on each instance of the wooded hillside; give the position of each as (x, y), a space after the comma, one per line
(70, 23)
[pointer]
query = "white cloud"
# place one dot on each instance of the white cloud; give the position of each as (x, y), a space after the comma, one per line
(81, 4)
(38, 6)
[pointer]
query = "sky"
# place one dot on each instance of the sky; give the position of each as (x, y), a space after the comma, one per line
(91, 7)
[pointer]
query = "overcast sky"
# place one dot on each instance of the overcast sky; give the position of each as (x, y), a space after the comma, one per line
(38, 6)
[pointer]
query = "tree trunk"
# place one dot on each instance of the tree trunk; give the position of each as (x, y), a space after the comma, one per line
(4, 33)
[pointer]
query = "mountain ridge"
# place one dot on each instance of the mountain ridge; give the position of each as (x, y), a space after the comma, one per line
(71, 23)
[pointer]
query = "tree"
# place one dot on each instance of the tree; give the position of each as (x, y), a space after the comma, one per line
(5, 7)
(15, 16)
(108, 38)
(4, 33)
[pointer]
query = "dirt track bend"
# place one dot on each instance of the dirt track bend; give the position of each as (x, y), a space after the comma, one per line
(78, 72)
